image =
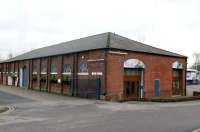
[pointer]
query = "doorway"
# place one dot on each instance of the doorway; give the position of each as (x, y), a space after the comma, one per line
(177, 76)
(133, 79)
(132, 83)
(176, 82)
(156, 87)
(24, 77)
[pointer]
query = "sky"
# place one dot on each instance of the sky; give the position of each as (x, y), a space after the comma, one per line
(173, 25)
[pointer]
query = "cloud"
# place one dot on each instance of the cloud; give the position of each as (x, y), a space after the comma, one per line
(169, 24)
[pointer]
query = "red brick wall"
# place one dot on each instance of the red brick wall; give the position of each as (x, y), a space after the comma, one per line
(157, 67)
(92, 58)
(43, 85)
(68, 59)
(56, 87)
(5, 74)
(36, 64)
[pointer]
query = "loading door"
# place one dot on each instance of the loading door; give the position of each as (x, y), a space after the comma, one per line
(88, 88)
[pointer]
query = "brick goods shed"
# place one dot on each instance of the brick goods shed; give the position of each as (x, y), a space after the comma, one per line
(104, 66)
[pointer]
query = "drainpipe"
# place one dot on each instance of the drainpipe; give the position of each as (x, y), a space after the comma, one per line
(106, 64)
(75, 76)
(142, 84)
(185, 78)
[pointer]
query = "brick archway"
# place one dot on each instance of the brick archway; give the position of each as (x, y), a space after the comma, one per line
(177, 75)
(133, 79)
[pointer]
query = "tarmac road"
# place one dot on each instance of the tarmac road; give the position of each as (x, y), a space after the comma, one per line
(41, 112)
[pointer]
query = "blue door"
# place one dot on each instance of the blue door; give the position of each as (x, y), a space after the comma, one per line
(156, 87)
(98, 83)
(25, 78)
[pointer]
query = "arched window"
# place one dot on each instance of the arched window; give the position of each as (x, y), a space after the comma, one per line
(177, 65)
(83, 67)
(66, 68)
(133, 63)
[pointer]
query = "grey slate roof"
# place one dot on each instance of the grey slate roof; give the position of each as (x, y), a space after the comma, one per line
(100, 41)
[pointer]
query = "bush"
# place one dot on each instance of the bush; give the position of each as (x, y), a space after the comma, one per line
(66, 80)
(53, 78)
(34, 77)
(43, 78)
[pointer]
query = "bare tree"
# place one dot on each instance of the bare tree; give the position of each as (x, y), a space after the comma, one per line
(196, 64)
(10, 55)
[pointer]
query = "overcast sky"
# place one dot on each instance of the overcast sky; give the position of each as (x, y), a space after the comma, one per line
(169, 24)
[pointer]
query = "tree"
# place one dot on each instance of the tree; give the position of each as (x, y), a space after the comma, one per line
(196, 64)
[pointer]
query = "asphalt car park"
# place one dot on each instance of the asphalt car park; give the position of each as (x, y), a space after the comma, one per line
(36, 111)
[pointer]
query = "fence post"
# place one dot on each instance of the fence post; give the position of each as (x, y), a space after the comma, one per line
(98, 83)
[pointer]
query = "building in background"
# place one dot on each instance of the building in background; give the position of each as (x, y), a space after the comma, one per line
(104, 66)
(193, 76)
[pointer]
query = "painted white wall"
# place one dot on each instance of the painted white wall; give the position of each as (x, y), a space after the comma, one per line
(10, 80)
(20, 77)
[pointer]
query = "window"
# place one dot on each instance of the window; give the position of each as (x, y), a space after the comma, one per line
(83, 67)
(176, 84)
(131, 87)
(176, 73)
(132, 72)
(53, 68)
(34, 69)
(66, 68)
(43, 68)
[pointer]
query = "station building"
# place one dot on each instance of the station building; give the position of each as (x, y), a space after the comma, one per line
(104, 66)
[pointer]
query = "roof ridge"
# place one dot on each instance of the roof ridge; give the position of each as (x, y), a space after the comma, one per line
(98, 41)
(148, 45)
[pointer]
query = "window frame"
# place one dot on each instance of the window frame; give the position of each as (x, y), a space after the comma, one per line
(43, 68)
(65, 69)
(53, 69)
(83, 68)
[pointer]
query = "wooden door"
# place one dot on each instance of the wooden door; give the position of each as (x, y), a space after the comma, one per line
(131, 86)
(177, 82)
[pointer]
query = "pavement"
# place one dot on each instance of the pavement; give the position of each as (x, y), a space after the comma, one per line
(36, 111)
